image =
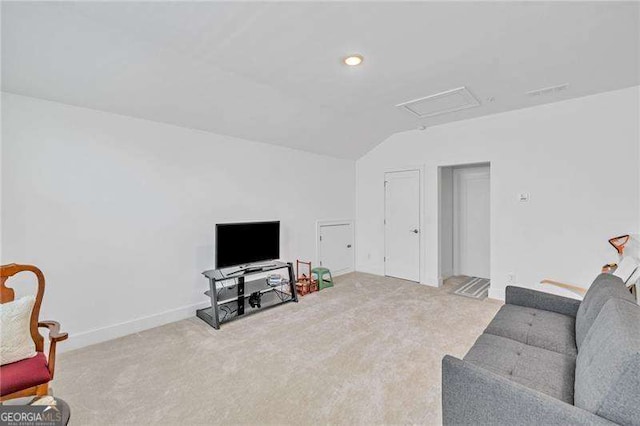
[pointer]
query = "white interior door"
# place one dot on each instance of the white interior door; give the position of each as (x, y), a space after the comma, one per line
(471, 231)
(402, 225)
(335, 250)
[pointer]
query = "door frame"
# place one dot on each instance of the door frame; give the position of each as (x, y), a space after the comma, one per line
(421, 242)
(321, 223)
(440, 167)
(457, 235)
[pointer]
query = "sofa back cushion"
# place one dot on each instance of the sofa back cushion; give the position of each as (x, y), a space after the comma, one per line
(607, 380)
(605, 287)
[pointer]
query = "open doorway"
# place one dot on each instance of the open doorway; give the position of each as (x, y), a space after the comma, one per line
(464, 229)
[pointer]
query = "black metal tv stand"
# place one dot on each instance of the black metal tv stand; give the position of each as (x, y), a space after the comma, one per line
(233, 294)
(249, 268)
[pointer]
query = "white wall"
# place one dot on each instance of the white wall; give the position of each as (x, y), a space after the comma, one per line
(119, 213)
(578, 159)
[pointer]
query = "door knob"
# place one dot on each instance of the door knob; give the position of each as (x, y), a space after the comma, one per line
(415, 231)
(348, 245)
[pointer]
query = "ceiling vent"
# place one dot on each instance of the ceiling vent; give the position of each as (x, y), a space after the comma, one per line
(441, 103)
(548, 90)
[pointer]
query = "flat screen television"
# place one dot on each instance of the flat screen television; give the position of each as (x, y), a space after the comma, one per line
(243, 243)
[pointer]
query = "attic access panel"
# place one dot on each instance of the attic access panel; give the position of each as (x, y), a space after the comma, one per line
(441, 103)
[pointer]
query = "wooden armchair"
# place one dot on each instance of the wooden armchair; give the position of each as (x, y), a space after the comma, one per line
(29, 376)
(625, 270)
(580, 291)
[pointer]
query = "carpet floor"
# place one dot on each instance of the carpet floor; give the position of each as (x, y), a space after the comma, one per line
(366, 351)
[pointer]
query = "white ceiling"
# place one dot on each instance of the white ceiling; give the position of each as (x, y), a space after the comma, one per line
(271, 71)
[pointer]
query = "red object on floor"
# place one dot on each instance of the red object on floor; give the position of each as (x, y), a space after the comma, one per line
(24, 374)
(305, 284)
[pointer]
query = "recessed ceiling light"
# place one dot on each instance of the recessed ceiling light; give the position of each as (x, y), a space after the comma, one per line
(353, 60)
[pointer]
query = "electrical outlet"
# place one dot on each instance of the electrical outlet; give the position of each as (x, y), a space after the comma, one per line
(511, 278)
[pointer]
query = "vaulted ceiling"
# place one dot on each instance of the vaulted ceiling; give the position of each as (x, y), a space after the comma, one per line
(272, 72)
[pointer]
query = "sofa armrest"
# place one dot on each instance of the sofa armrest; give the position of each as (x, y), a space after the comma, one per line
(472, 395)
(540, 300)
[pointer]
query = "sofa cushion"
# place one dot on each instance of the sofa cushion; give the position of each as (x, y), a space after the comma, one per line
(535, 327)
(541, 300)
(608, 364)
(546, 371)
(605, 287)
(24, 374)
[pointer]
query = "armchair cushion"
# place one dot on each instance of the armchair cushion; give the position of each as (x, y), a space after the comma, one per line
(24, 374)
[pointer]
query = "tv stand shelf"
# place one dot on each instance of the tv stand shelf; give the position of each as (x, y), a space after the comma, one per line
(233, 295)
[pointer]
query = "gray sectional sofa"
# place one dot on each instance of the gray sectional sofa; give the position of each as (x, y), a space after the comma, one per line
(547, 359)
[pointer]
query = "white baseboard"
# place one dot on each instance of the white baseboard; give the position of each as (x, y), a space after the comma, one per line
(496, 294)
(431, 283)
(98, 335)
(342, 272)
(446, 274)
(370, 268)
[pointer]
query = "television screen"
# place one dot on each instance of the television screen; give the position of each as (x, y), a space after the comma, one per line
(242, 243)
